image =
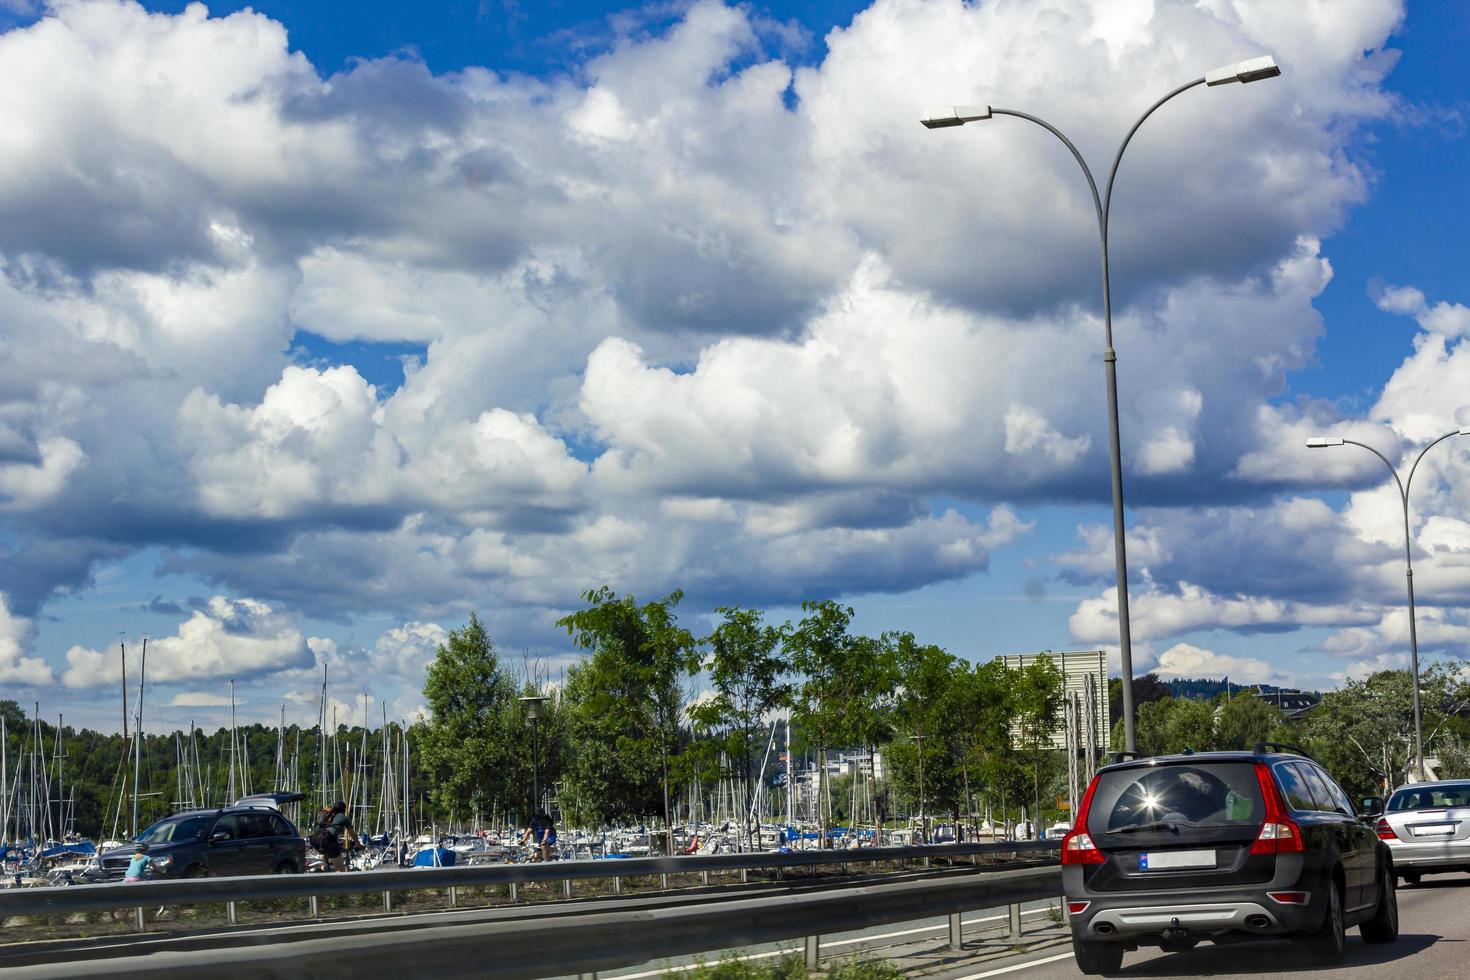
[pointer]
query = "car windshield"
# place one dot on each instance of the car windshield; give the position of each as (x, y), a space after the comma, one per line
(1177, 802)
(176, 829)
(1429, 797)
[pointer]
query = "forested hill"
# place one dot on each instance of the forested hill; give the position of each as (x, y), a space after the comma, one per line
(1205, 689)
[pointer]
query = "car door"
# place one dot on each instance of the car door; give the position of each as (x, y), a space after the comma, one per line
(1366, 847)
(225, 845)
(1345, 836)
(257, 844)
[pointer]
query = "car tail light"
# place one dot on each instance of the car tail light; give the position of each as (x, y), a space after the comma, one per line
(1077, 846)
(1289, 898)
(1385, 831)
(1077, 908)
(1279, 834)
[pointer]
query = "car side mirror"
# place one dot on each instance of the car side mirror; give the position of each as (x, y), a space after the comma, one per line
(1371, 806)
(219, 835)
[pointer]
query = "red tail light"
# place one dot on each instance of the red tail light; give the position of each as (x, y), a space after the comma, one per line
(1077, 846)
(1279, 834)
(1289, 898)
(1077, 908)
(1385, 832)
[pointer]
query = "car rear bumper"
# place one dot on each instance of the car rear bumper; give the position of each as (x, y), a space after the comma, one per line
(1181, 921)
(1447, 854)
(1149, 919)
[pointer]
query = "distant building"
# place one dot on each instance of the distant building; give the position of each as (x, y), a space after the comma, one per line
(1085, 678)
(1293, 705)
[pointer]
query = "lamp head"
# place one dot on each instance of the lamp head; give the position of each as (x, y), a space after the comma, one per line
(954, 115)
(1250, 70)
(1323, 442)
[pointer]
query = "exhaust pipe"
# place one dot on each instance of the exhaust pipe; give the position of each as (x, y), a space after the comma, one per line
(1258, 922)
(1104, 928)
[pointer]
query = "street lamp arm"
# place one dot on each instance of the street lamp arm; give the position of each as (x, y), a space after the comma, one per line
(1410, 481)
(1113, 173)
(1403, 494)
(1076, 154)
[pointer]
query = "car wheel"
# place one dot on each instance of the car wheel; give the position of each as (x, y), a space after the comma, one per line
(286, 868)
(1096, 958)
(1410, 877)
(1328, 942)
(195, 871)
(1384, 926)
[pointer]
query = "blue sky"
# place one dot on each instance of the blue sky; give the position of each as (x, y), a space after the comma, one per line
(478, 305)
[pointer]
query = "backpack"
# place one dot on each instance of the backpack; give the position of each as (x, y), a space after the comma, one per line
(322, 835)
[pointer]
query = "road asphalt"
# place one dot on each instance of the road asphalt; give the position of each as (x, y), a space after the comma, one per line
(1434, 943)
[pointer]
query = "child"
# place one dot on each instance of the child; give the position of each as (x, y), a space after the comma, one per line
(138, 866)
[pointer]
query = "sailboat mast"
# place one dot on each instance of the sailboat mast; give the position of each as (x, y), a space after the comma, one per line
(138, 736)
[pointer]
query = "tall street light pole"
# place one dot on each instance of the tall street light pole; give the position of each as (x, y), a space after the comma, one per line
(534, 704)
(1324, 442)
(918, 741)
(1252, 70)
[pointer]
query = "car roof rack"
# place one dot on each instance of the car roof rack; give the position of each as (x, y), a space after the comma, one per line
(1123, 755)
(1261, 748)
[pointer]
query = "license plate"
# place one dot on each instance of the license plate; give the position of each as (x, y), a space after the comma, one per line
(1434, 829)
(1170, 860)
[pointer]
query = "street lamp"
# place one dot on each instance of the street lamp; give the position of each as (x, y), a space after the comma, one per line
(1326, 442)
(535, 704)
(918, 741)
(1251, 70)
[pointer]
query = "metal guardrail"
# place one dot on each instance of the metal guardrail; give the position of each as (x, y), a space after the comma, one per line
(582, 941)
(77, 898)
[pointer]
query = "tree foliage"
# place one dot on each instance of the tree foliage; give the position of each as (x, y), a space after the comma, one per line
(474, 741)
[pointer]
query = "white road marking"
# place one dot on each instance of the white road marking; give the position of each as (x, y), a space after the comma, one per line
(1019, 966)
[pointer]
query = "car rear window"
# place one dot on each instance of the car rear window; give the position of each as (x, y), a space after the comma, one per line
(1429, 797)
(1179, 803)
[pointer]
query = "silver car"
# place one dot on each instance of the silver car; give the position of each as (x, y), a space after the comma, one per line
(1427, 828)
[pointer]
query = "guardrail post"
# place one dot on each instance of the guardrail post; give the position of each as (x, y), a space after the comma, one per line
(617, 884)
(230, 914)
(704, 877)
(813, 952)
(566, 887)
(311, 905)
(743, 877)
(453, 897)
(138, 919)
(1066, 915)
(1015, 920)
(513, 891)
(955, 927)
(387, 901)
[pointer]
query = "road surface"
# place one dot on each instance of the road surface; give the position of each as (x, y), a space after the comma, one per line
(1434, 942)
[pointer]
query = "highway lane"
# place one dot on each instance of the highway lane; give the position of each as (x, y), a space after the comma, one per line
(1434, 942)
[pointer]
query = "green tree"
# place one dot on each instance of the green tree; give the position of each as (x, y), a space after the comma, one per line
(1243, 721)
(1037, 698)
(924, 759)
(1364, 732)
(1190, 725)
(470, 745)
(748, 675)
(846, 683)
(640, 659)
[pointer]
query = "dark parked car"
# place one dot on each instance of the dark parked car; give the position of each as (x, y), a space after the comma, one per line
(236, 840)
(1222, 846)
